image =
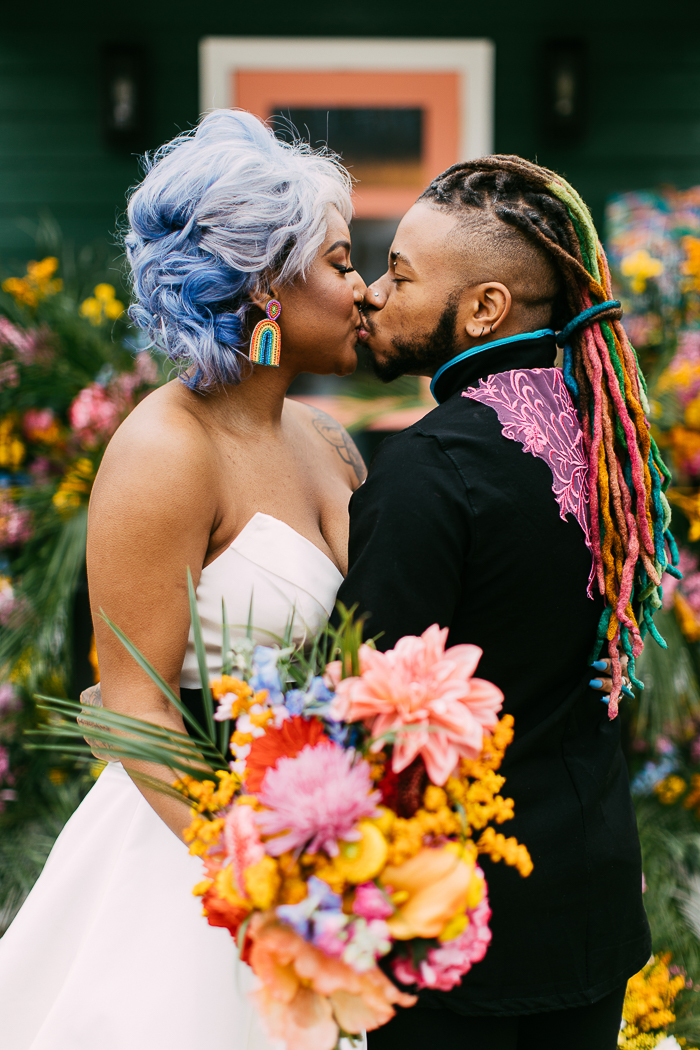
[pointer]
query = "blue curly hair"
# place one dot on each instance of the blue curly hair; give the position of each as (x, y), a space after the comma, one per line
(223, 211)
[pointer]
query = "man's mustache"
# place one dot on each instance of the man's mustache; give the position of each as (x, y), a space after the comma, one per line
(366, 321)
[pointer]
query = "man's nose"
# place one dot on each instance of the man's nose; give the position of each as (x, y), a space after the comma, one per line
(376, 294)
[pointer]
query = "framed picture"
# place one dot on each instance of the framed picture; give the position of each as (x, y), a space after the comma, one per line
(399, 112)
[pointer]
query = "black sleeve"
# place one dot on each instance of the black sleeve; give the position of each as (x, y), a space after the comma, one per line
(409, 538)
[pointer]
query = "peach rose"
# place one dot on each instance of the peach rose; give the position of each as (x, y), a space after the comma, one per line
(307, 996)
(437, 882)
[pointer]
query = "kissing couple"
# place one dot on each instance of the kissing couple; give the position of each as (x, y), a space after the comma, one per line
(524, 513)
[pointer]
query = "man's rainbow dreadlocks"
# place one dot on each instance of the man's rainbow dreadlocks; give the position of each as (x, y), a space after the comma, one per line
(630, 514)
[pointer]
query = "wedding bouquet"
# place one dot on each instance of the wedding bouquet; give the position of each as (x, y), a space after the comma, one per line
(344, 827)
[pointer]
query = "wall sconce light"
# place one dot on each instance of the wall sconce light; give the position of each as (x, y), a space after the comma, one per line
(565, 69)
(124, 91)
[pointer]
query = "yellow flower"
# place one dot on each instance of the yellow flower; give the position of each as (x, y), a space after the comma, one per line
(37, 284)
(262, 882)
(361, 861)
(690, 505)
(76, 483)
(690, 267)
(102, 304)
(670, 789)
(12, 450)
(639, 266)
(647, 1008)
(57, 776)
(499, 847)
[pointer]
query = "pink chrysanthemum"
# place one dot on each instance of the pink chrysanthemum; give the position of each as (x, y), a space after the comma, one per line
(445, 966)
(426, 695)
(317, 798)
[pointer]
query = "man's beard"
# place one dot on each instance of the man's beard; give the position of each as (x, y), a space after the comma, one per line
(422, 356)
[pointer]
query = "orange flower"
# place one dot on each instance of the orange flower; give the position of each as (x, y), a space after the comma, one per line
(286, 741)
(435, 887)
(307, 997)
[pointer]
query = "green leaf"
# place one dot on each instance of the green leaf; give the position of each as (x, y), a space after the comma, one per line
(201, 658)
(150, 670)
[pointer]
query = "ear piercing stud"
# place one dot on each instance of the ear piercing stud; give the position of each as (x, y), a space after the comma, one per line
(376, 295)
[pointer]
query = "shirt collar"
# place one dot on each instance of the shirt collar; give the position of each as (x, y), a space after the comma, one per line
(526, 350)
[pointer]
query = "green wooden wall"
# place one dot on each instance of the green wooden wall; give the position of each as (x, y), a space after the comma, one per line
(644, 66)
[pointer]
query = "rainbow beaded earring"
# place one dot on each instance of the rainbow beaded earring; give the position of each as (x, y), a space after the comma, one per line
(266, 342)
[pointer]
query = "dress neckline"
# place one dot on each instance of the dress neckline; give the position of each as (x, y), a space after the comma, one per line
(260, 517)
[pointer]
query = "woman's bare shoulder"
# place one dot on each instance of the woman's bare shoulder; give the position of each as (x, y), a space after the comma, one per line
(161, 450)
(330, 435)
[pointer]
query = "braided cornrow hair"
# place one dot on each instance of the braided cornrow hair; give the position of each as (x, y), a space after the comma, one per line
(630, 515)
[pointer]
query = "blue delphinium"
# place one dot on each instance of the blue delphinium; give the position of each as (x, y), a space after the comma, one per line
(265, 673)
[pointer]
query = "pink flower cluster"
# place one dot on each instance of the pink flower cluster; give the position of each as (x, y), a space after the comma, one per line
(9, 375)
(97, 410)
(30, 345)
(39, 424)
(123, 387)
(445, 966)
(317, 798)
(93, 415)
(15, 524)
(687, 359)
(689, 585)
(9, 701)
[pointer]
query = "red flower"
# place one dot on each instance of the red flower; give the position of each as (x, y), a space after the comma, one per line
(220, 912)
(287, 741)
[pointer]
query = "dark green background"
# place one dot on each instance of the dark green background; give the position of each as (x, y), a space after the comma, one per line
(644, 62)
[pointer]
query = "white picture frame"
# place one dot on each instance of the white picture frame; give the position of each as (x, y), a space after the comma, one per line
(472, 59)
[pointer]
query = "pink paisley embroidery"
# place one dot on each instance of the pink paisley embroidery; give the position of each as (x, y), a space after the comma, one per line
(534, 407)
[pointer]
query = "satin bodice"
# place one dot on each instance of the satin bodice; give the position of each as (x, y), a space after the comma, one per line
(270, 575)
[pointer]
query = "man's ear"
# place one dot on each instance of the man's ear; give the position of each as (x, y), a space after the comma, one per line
(490, 304)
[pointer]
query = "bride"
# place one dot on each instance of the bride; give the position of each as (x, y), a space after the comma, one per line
(217, 471)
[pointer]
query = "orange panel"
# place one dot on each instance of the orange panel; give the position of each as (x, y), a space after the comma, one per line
(437, 94)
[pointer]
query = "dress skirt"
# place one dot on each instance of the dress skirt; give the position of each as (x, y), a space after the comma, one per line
(110, 949)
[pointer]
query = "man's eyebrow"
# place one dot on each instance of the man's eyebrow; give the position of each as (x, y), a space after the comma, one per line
(400, 257)
(338, 244)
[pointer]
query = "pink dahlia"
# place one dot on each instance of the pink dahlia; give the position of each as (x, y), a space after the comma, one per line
(316, 798)
(425, 695)
(445, 966)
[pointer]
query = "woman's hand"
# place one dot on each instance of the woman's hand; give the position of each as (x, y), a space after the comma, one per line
(602, 682)
(92, 697)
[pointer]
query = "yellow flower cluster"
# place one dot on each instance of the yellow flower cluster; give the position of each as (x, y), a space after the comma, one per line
(11, 448)
(647, 1009)
(692, 799)
(690, 267)
(670, 789)
(102, 305)
(510, 850)
(76, 483)
(640, 267)
(37, 284)
(207, 796)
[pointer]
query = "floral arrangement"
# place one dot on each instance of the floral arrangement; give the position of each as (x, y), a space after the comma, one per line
(70, 371)
(648, 1007)
(344, 827)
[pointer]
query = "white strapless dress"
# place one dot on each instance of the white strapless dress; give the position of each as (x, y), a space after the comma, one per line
(110, 949)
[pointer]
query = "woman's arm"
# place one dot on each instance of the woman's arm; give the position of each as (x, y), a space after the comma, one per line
(152, 512)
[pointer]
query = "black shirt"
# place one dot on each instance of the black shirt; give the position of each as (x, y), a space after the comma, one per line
(458, 525)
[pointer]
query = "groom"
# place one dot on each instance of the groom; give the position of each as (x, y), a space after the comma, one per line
(469, 519)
